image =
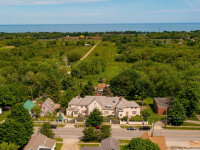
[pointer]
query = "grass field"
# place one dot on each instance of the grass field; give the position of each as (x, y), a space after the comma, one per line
(6, 48)
(107, 54)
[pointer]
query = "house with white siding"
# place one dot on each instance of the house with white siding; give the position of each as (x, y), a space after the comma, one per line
(116, 106)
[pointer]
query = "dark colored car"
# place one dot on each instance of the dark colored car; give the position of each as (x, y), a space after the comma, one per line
(53, 126)
(145, 128)
(131, 128)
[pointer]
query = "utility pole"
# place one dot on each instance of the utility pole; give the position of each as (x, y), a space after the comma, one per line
(152, 129)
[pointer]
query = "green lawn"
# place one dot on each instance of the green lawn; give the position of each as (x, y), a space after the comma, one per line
(181, 128)
(58, 139)
(4, 115)
(190, 124)
(58, 146)
(107, 54)
(89, 145)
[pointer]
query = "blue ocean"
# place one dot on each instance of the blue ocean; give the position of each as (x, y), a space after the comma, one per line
(143, 27)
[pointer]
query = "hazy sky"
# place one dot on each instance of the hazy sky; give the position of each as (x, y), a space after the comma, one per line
(98, 11)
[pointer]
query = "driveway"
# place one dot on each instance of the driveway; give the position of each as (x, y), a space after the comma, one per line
(70, 144)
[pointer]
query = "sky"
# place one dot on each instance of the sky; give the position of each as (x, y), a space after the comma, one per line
(98, 11)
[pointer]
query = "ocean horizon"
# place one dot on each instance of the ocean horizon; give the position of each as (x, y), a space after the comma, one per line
(139, 27)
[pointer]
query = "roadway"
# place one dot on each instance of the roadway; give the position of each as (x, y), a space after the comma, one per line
(171, 135)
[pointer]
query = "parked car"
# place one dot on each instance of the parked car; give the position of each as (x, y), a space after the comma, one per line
(145, 128)
(53, 126)
(97, 127)
(131, 128)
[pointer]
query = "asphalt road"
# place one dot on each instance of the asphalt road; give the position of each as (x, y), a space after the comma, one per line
(171, 135)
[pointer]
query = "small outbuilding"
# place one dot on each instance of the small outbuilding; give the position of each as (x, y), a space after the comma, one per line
(29, 105)
(162, 104)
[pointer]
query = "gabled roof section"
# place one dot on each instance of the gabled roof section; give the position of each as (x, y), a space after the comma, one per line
(75, 101)
(110, 144)
(40, 140)
(49, 103)
(29, 105)
(127, 104)
(163, 101)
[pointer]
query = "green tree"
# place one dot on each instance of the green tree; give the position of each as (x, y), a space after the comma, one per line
(46, 130)
(145, 114)
(7, 146)
(105, 131)
(140, 144)
(101, 80)
(14, 132)
(87, 90)
(37, 110)
(106, 91)
(53, 89)
(131, 83)
(7, 98)
(21, 115)
(189, 96)
(95, 119)
(176, 114)
(90, 134)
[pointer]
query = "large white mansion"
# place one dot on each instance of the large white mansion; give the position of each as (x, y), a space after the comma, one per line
(116, 106)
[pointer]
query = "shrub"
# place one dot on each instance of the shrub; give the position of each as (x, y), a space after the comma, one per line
(125, 118)
(141, 144)
(136, 118)
(73, 57)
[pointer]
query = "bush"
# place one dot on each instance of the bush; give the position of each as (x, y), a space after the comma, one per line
(73, 57)
(96, 54)
(125, 118)
(141, 144)
(92, 134)
(46, 130)
(136, 118)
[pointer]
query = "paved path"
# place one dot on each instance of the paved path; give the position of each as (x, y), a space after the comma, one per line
(89, 51)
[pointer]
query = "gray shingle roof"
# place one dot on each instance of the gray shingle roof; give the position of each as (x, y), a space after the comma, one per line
(40, 140)
(110, 144)
(104, 102)
(127, 104)
(163, 101)
(49, 103)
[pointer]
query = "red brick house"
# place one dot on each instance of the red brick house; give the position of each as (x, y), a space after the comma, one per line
(162, 104)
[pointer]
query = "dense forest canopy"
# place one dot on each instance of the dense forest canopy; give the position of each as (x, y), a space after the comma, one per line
(162, 64)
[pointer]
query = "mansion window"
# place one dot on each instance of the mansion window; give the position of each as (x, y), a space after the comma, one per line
(127, 112)
(106, 112)
(134, 112)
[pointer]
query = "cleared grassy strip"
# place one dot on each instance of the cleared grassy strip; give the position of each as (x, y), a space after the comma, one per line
(107, 54)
